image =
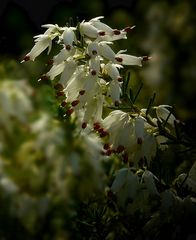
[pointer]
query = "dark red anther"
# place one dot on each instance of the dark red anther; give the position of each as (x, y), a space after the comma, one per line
(146, 58)
(94, 52)
(120, 79)
(101, 33)
(120, 149)
(64, 103)
(109, 152)
(96, 126)
(106, 146)
(118, 59)
(68, 47)
(139, 140)
(50, 61)
(128, 29)
(44, 78)
(84, 125)
(82, 92)
(74, 103)
(60, 94)
(116, 32)
(58, 87)
(125, 158)
(103, 134)
(116, 103)
(69, 111)
(26, 58)
(93, 72)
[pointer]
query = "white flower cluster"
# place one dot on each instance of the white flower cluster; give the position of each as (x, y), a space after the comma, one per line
(86, 75)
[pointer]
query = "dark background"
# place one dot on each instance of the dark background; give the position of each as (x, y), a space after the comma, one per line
(164, 30)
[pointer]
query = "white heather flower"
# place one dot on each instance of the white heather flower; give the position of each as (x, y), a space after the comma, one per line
(164, 114)
(146, 150)
(106, 51)
(41, 43)
(69, 69)
(51, 28)
(113, 124)
(93, 109)
(94, 65)
(88, 29)
(126, 59)
(101, 26)
(114, 90)
(112, 70)
(56, 70)
(63, 55)
(68, 37)
(93, 49)
(75, 84)
(148, 179)
(139, 128)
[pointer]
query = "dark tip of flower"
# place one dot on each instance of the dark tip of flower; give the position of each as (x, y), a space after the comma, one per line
(118, 59)
(68, 47)
(120, 149)
(69, 111)
(116, 103)
(116, 32)
(84, 125)
(125, 158)
(26, 58)
(93, 72)
(74, 103)
(120, 79)
(146, 58)
(106, 146)
(96, 126)
(82, 92)
(129, 29)
(94, 52)
(139, 141)
(58, 87)
(60, 94)
(50, 61)
(44, 78)
(101, 33)
(64, 103)
(109, 152)
(103, 134)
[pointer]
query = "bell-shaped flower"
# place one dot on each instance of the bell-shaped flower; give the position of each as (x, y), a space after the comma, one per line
(113, 124)
(68, 71)
(75, 84)
(56, 70)
(163, 114)
(126, 59)
(63, 55)
(148, 179)
(68, 37)
(94, 65)
(139, 129)
(112, 70)
(106, 51)
(41, 43)
(88, 30)
(93, 49)
(114, 90)
(93, 109)
(101, 26)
